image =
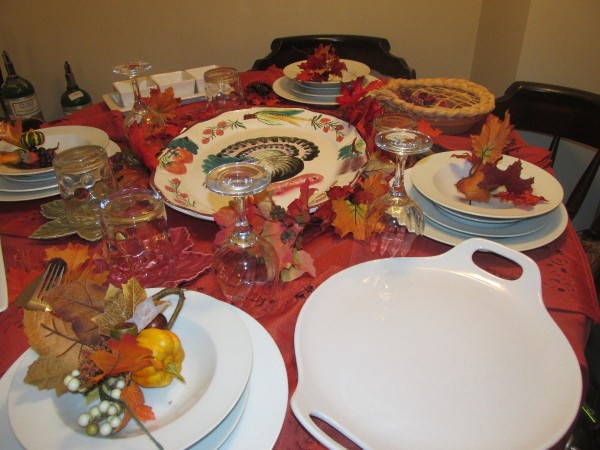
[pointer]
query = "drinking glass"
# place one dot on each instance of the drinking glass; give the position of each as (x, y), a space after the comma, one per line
(246, 265)
(223, 89)
(85, 178)
(140, 113)
(394, 220)
(136, 237)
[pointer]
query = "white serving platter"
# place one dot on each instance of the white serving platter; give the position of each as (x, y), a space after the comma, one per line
(435, 352)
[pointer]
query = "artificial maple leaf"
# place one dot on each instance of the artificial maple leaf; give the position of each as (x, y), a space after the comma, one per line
(125, 355)
(321, 65)
(11, 133)
(58, 346)
(469, 187)
(144, 146)
(302, 263)
(133, 397)
(525, 198)
(488, 146)
(78, 303)
(298, 209)
(425, 127)
(164, 103)
(75, 255)
(349, 218)
(373, 187)
(119, 305)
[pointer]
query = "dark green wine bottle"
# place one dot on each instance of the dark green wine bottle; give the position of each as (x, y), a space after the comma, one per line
(74, 98)
(19, 97)
(3, 112)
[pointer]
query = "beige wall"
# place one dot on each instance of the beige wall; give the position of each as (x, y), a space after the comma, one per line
(178, 34)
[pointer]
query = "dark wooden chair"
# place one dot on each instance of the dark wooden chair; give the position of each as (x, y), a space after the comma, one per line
(560, 112)
(373, 51)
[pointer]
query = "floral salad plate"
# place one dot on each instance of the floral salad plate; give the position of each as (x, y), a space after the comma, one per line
(295, 145)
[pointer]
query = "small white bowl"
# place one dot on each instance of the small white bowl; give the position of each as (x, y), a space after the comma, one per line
(198, 74)
(126, 91)
(181, 82)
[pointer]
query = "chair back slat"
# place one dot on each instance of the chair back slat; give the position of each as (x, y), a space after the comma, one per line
(560, 112)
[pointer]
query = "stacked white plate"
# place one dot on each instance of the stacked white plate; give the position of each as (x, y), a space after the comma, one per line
(28, 184)
(451, 220)
(235, 394)
(317, 92)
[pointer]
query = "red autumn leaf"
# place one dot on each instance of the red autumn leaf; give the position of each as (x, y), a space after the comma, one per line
(298, 209)
(11, 133)
(425, 127)
(525, 198)
(144, 146)
(133, 397)
(124, 356)
(322, 64)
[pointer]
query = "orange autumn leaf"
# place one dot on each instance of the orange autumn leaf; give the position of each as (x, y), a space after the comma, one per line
(124, 356)
(349, 218)
(494, 138)
(133, 397)
(469, 186)
(75, 255)
(375, 185)
(11, 133)
(425, 127)
(164, 103)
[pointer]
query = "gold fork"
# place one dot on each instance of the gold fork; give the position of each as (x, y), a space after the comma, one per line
(52, 277)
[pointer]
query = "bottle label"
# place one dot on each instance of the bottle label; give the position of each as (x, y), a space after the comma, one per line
(75, 95)
(23, 107)
(71, 109)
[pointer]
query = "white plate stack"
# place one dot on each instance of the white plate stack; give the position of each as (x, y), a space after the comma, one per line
(451, 220)
(234, 397)
(317, 92)
(18, 184)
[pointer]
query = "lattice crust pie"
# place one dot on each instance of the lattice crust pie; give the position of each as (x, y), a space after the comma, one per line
(436, 98)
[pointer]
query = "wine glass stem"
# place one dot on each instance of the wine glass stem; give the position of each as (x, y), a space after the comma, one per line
(137, 96)
(242, 235)
(397, 185)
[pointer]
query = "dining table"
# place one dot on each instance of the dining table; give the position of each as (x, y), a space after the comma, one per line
(568, 288)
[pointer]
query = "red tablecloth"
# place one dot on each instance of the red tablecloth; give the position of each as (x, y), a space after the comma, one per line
(568, 288)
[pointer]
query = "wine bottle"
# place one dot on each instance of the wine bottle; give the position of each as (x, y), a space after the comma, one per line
(3, 113)
(74, 98)
(19, 97)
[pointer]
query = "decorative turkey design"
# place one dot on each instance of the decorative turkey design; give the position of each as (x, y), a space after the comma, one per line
(282, 156)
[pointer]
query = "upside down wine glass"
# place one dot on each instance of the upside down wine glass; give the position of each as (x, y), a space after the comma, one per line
(246, 265)
(140, 114)
(394, 220)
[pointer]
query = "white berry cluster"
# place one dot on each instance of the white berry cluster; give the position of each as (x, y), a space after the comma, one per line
(105, 417)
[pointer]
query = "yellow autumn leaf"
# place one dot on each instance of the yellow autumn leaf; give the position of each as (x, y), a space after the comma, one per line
(349, 218)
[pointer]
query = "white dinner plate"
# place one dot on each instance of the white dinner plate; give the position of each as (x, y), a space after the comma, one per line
(294, 144)
(24, 194)
(65, 137)
(436, 176)
(556, 222)
(262, 418)
(284, 88)
(16, 185)
(435, 352)
(216, 368)
(501, 229)
(354, 70)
